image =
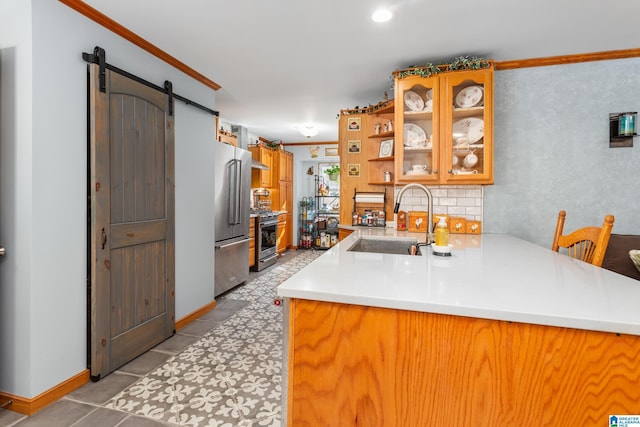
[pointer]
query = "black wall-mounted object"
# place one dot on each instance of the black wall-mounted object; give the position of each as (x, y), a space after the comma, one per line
(622, 129)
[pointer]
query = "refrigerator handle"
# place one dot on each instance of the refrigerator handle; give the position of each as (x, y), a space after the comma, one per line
(231, 208)
(228, 245)
(238, 199)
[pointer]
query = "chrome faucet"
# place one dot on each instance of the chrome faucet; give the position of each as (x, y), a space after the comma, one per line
(429, 207)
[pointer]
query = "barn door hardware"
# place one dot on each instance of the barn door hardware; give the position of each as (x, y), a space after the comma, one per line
(168, 86)
(99, 57)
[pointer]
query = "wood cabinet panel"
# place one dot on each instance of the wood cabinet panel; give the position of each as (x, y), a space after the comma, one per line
(262, 178)
(283, 198)
(343, 233)
(285, 165)
(281, 245)
(452, 84)
(288, 235)
(351, 365)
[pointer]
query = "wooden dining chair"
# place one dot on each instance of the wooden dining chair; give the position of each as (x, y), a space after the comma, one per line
(588, 244)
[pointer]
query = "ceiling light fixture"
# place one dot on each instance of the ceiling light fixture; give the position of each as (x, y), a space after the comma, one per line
(381, 15)
(308, 130)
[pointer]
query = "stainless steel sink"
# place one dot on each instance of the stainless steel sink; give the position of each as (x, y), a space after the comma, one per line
(385, 246)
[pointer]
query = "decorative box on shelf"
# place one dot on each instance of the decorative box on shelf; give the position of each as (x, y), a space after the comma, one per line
(417, 221)
(457, 225)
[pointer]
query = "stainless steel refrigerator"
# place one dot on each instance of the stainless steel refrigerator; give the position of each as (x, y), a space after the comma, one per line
(231, 216)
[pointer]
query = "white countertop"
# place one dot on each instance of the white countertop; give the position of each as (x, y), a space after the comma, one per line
(492, 276)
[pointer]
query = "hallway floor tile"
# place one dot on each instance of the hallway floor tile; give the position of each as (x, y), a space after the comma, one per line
(223, 369)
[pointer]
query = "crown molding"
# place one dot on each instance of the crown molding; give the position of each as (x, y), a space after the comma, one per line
(567, 59)
(111, 25)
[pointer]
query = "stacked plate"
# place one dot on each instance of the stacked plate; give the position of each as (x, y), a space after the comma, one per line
(413, 101)
(414, 136)
(470, 129)
(470, 96)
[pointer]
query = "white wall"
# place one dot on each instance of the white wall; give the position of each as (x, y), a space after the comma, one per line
(552, 149)
(16, 214)
(43, 305)
(194, 206)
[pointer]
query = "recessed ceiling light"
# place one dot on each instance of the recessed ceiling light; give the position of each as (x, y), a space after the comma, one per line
(381, 15)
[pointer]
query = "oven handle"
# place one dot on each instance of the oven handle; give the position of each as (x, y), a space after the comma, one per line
(232, 244)
(268, 223)
(269, 258)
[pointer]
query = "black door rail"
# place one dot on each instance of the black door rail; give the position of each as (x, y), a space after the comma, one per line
(99, 57)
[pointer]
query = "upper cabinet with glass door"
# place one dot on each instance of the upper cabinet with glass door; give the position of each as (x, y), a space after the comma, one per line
(444, 128)
(417, 128)
(467, 126)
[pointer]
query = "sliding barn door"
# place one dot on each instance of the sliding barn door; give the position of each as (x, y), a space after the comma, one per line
(132, 228)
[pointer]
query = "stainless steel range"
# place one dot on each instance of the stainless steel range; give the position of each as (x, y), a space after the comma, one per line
(266, 239)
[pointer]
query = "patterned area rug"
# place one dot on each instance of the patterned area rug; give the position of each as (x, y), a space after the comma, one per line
(232, 376)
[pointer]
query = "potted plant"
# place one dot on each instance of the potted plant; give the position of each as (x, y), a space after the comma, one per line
(333, 171)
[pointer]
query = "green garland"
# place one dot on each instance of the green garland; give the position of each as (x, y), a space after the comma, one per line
(428, 70)
(466, 63)
(275, 144)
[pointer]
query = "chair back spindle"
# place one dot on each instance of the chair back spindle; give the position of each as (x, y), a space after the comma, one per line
(588, 244)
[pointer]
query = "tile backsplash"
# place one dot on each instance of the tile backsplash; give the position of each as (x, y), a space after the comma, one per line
(457, 200)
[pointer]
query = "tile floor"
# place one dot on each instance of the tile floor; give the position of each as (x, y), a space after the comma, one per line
(223, 369)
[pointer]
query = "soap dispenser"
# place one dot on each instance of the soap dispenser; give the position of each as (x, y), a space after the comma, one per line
(441, 245)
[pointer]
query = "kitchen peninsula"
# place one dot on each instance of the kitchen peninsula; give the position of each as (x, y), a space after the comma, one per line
(502, 332)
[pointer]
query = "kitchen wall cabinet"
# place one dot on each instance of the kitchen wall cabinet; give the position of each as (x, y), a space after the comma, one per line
(285, 165)
(442, 132)
(283, 197)
(285, 203)
(262, 178)
(444, 128)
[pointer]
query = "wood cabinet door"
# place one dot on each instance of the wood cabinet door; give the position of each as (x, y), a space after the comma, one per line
(132, 232)
(467, 127)
(282, 226)
(285, 166)
(285, 196)
(266, 157)
(417, 130)
(289, 163)
(288, 235)
(263, 178)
